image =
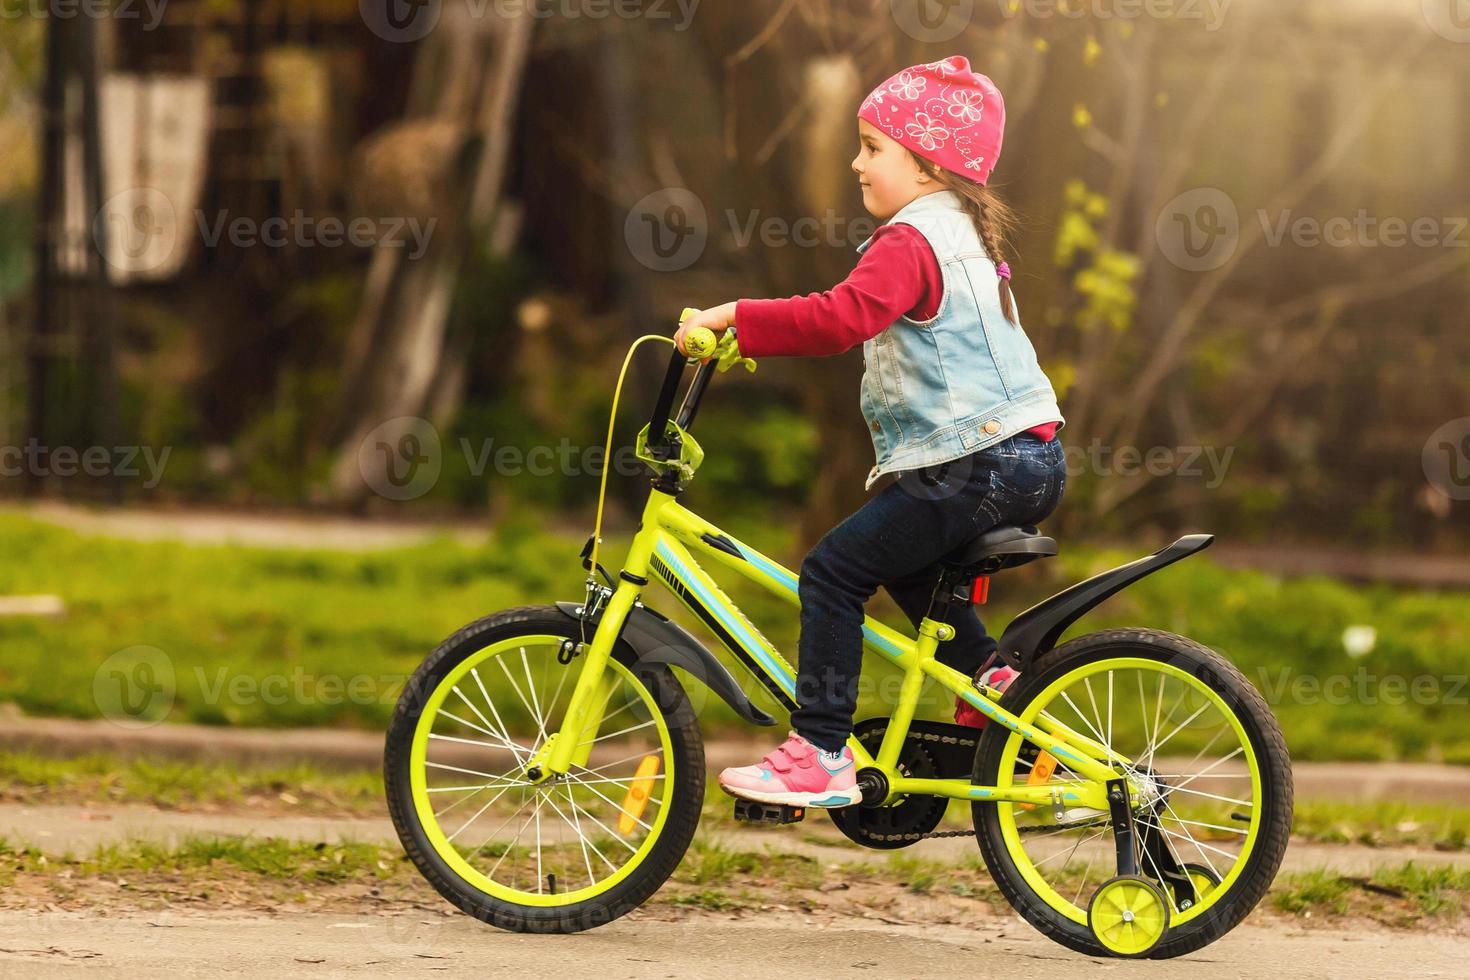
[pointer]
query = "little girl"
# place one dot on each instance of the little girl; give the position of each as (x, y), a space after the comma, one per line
(958, 407)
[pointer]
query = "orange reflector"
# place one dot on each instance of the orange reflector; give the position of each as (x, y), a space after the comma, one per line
(636, 801)
(1046, 764)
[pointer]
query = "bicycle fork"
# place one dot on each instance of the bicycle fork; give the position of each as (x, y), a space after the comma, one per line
(571, 744)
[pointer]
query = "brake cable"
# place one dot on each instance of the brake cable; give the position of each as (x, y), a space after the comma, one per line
(607, 448)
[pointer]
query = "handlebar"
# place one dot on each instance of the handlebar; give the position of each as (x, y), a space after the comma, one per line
(702, 345)
(658, 442)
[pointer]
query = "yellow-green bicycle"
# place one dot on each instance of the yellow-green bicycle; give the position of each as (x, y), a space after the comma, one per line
(1131, 795)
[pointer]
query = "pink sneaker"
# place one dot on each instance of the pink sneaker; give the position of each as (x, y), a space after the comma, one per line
(998, 677)
(797, 773)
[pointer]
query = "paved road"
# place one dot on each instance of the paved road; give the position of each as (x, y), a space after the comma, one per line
(774, 944)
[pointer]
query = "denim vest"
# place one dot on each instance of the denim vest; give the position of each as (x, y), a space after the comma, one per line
(938, 389)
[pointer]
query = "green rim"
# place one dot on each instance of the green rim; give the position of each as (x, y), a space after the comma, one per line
(1007, 812)
(446, 850)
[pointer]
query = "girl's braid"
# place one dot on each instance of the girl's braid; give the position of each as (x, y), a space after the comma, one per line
(992, 219)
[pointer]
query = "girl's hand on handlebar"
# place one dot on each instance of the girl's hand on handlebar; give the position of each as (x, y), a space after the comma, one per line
(716, 318)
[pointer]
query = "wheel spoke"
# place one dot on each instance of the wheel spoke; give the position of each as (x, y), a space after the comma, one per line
(1211, 826)
(467, 772)
(535, 704)
(1223, 759)
(471, 820)
(490, 702)
(623, 731)
(576, 824)
(609, 765)
(1198, 845)
(1153, 749)
(517, 839)
(1087, 682)
(1160, 722)
(471, 741)
(517, 688)
(620, 782)
(1200, 792)
(1084, 719)
(489, 729)
(615, 836)
(537, 815)
(1080, 841)
(1143, 708)
(609, 802)
(502, 826)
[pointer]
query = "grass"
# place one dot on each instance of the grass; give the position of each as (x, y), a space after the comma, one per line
(1402, 894)
(246, 636)
(201, 856)
(1444, 827)
(102, 778)
(267, 858)
(1311, 891)
(708, 862)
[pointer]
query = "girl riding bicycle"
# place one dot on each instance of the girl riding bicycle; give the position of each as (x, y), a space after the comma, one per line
(960, 412)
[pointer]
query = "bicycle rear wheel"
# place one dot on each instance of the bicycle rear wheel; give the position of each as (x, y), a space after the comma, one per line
(1213, 814)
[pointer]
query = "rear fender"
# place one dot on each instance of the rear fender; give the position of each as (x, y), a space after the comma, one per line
(1037, 630)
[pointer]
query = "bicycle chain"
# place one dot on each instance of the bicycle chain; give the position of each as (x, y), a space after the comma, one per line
(966, 743)
(970, 744)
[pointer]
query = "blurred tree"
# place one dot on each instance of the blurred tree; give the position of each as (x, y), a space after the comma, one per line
(400, 359)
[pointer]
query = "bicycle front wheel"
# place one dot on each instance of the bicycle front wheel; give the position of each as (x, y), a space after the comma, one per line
(1213, 808)
(567, 854)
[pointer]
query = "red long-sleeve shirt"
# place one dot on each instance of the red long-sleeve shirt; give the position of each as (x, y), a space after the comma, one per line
(897, 275)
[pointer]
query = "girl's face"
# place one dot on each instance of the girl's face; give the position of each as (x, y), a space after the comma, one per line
(888, 173)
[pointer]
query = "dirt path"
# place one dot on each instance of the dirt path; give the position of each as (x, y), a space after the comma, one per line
(58, 829)
(775, 944)
(254, 528)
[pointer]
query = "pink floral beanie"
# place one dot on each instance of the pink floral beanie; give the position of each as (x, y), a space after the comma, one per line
(944, 112)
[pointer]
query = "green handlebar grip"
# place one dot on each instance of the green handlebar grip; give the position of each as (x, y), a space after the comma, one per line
(700, 342)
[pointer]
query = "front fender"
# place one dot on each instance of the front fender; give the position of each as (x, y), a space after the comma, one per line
(657, 639)
(1037, 630)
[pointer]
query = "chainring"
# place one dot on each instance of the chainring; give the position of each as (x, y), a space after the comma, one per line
(932, 750)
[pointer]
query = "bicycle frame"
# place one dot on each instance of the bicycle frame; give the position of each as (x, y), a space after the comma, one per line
(669, 537)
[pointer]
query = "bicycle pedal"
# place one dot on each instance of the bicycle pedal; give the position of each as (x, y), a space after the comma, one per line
(752, 811)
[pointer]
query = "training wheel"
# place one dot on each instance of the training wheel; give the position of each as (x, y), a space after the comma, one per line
(1202, 878)
(1128, 915)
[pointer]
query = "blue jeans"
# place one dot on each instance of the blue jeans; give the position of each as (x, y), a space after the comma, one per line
(896, 540)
